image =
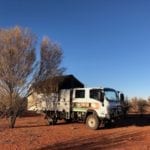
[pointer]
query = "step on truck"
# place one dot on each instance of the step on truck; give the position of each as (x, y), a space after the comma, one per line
(93, 106)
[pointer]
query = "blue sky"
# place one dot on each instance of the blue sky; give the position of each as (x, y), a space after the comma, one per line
(105, 42)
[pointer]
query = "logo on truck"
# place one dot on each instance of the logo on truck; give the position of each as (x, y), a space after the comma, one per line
(86, 105)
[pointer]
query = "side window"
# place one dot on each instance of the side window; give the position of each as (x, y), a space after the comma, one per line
(79, 93)
(95, 94)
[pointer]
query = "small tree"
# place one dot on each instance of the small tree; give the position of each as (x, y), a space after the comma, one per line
(141, 104)
(51, 58)
(17, 58)
(134, 106)
(19, 69)
(126, 106)
(48, 78)
(148, 101)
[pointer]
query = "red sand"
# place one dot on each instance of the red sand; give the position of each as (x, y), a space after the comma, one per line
(33, 133)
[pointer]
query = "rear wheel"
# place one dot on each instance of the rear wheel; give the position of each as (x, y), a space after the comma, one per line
(54, 121)
(51, 121)
(92, 122)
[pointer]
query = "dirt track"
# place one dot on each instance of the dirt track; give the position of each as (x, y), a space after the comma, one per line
(32, 133)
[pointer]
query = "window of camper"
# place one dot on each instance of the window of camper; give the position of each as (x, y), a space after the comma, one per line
(79, 93)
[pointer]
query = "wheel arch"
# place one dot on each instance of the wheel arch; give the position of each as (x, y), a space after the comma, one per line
(90, 112)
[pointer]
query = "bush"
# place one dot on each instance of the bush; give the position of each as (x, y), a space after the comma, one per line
(139, 105)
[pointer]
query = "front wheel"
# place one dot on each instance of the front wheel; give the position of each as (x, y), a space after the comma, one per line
(92, 122)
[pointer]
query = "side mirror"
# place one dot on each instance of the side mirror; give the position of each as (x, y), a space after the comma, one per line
(121, 97)
(102, 96)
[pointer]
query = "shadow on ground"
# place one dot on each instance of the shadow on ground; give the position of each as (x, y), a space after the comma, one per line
(131, 119)
(134, 119)
(104, 142)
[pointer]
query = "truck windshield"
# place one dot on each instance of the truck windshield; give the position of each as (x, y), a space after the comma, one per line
(111, 95)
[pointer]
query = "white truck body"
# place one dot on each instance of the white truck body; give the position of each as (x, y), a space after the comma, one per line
(78, 103)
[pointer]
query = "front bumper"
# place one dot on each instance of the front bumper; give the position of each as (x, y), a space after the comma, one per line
(114, 113)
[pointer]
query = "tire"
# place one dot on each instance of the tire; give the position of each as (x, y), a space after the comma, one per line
(54, 121)
(49, 121)
(92, 122)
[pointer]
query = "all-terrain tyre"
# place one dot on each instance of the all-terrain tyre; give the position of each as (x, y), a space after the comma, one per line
(51, 121)
(92, 122)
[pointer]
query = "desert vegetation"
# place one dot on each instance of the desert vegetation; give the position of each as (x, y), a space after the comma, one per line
(137, 106)
(20, 68)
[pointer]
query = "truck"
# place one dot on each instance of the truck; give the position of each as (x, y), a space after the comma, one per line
(93, 106)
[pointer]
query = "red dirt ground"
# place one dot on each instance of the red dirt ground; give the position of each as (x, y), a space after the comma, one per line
(32, 133)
